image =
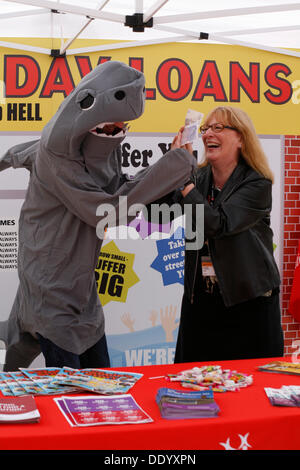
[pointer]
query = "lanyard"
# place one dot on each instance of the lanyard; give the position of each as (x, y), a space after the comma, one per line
(214, 191)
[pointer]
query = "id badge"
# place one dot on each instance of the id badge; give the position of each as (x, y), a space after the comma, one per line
(207, 267)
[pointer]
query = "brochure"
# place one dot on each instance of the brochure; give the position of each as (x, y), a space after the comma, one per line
(287, 395)
(44, 377)
(55, 381)
(29, 387)
(18, 410)
(94, 411)
(5, 390)
(281, 367)
(9, 386)
(106, 382)
(175, 404)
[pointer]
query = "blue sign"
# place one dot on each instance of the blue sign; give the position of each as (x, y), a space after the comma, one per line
(170, 258)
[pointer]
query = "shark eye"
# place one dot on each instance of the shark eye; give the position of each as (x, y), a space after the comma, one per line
(120, 95)
(87, 102)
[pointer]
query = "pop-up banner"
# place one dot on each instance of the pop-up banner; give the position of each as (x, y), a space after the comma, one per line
(178, 77)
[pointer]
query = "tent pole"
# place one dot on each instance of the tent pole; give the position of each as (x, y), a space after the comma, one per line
(204, 15)
(139, 7)
(124, 45)
(16, 14)
(65, 46)
(277, 50)
(216, 37)
(75, 10)
(154, 9)
(272, 29)
(25, 47)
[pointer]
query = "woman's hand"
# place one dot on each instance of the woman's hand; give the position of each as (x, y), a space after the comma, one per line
(176, 144)
(187, 189)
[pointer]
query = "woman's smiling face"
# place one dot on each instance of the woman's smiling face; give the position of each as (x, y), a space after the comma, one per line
(222, 146)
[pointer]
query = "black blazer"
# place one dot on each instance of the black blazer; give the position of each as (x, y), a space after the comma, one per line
(240, 239)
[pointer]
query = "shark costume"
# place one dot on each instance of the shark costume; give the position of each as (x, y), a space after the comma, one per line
(74, 170)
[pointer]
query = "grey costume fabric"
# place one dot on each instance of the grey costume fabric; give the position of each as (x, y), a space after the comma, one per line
(73, 171)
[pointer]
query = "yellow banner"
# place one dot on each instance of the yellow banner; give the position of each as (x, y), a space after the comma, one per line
(179, 76)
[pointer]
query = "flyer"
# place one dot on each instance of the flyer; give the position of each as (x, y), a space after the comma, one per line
(44, 376)
(56, 381)
(281, 367)
(94, 411)
(98, 380)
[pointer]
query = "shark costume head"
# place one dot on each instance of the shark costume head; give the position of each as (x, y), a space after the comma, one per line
(112, 92)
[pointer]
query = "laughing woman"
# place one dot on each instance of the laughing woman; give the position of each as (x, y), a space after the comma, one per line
(230, 306)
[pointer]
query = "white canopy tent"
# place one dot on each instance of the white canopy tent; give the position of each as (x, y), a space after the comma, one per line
(266, 25)
(270, 25)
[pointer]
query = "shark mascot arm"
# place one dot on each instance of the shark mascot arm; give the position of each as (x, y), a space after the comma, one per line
(75, 170)
(20, 156)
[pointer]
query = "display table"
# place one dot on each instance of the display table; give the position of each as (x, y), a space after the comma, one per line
(247, 421)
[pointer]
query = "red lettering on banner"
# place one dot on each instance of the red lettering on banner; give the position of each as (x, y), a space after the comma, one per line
(103, 59)
(174, 79)
(84, 65)
(15, 85)
(209, 83)
(59, 79)
(239, 79)
(274, 81)
(138, 64)
(184, 75)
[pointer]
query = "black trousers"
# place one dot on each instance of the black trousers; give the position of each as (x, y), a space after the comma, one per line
(210, 331)
(94, 357)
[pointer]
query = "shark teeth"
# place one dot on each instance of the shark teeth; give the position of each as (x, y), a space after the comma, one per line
(98, 130)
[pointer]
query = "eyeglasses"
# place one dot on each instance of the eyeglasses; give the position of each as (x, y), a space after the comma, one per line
(217, 127)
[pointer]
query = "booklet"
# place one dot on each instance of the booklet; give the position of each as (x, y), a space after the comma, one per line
(9, 386)
(175, 404)
(106, 382)
(29, 387)
(93, 411)
(5, 390)
(18, 410)
(44, 378)
(55, 381)
(281, 367)
(287, 395)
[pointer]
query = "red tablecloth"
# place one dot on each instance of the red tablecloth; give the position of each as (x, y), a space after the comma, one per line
(247, 421)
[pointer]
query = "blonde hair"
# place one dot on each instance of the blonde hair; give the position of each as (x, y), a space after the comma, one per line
(251, 149)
